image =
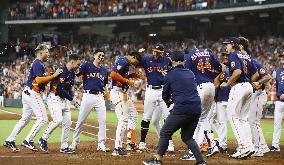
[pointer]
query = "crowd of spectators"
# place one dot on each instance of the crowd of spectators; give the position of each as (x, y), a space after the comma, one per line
(14, 75)
(48, 9)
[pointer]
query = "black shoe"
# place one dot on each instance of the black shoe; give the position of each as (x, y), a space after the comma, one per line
(202, 163)
(29, 145)
(12, 146)
(275, 149)
(43, 145)
(119, 152)
(67, 150)
(152, 162)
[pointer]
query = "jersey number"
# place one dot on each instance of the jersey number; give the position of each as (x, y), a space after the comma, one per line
(201, 66)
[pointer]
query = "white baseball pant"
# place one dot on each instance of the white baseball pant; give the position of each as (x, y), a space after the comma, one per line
(1, 101)
(125, 112)
(278, 116)
(258, 100)
(155, 107)
(60, 112)
(206, 92)
(90, 102)
(32, 103)
(238, 109)
(220, 123)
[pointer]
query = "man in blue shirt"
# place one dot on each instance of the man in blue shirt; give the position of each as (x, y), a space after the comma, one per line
(179, 88)
(279, 105)
(58, 102)
(154, 107)
(32, 100)
(240, 68)
(95, 79)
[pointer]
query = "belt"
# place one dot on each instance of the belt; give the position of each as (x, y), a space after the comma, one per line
(155, 87)
(93, 91)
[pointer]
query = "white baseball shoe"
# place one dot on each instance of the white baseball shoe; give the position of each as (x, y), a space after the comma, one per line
(243, 153)
(142, 146)
(102, 148)
(171, 147)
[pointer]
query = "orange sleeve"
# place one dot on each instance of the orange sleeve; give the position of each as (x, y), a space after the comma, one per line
(44, 79)
(136, 75)
(118, 77)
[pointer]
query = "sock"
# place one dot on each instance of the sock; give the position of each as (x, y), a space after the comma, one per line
(144, 130)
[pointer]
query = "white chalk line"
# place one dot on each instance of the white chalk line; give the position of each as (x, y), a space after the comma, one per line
(35, 118)
(16, 156)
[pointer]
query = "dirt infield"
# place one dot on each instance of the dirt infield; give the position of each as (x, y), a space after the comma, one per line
(87, 154)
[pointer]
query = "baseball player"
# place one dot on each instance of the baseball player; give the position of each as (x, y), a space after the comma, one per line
(1, 93)
(258, 100)
(240, 67)
(32, 100)
(119, 96)
(180, 84)
(59, 103)
(95, 79)
(279, 105)
(221, 98)
(154, 67)
(204, 66)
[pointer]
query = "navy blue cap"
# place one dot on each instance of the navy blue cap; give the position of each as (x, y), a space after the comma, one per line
(232, 40)
(177, 56)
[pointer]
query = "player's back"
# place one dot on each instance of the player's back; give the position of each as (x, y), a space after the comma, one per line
(203, 64)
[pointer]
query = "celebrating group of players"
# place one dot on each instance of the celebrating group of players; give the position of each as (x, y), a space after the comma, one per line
(232, 89)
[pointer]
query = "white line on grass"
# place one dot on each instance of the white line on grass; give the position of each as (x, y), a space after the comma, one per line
(35, 118)
(16, 156)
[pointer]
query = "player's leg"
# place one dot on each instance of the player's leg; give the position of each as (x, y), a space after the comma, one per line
(131, 125)
(278, 116)
(66, 125)
(55, 108)
(116, 97)
(26, 116)
(38, 106)
(101, 114)
(222, 118)
(149, 105)
(87, 105)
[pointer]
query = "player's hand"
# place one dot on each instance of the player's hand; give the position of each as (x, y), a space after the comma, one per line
(282, 97)
(57, 72)
(224, 67)
(256, 85)
(224, 85)
(164, 73)
(130, 83)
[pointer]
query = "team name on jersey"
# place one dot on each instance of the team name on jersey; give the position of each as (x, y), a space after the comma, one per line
(281, 77)
(154, 69)
(243, 56)
(200, 54)
(95, 75)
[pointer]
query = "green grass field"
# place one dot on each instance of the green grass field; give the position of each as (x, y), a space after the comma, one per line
(6, 127)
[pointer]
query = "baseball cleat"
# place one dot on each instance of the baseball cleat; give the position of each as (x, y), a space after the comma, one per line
(152, 162)
(29, 145)
(264, 149)
(119, 152)
(171, 147)
(67, 150)
(12, 146)
(257, 154)
(275, 149)
(212, 151)
(188, 156)
(142, 146)
(202, 163)
(131, 147)
(103, 148)
(43, 145)
(243, 153)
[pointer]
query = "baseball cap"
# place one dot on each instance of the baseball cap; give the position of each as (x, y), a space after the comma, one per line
(158, 48)
(177, 56)
(232, 40)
